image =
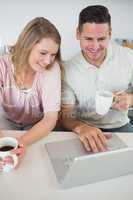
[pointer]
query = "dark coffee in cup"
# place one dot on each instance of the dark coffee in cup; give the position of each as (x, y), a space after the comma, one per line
(6, 148)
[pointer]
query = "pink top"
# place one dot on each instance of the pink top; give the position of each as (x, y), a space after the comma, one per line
(29, 106)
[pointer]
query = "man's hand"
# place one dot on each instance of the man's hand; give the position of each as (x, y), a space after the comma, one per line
(93, 138)
(122, 101)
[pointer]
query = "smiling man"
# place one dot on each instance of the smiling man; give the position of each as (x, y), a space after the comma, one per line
(94, 39)
(100, 65)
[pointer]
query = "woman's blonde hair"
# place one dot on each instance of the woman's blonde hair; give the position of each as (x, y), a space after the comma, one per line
(33, 32)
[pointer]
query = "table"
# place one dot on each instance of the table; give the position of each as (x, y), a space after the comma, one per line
(35, 178)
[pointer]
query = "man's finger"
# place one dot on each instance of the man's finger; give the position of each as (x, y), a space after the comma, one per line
(85, 143)
(101, 143)
(103, 139)
(108, 135)
(92, 144)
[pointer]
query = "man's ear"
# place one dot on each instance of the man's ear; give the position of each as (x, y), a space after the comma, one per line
(77, 34)
(110, 33)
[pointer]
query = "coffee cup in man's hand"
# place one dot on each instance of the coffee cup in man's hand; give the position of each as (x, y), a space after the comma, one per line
(103, 101)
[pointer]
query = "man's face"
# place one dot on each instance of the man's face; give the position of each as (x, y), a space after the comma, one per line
(94, 39)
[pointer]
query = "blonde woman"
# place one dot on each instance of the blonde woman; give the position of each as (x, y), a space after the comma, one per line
(30, 82)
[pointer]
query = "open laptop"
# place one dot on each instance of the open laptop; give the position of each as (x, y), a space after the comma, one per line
(74, 166)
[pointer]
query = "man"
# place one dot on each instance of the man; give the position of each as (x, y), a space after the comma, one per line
(100, 64)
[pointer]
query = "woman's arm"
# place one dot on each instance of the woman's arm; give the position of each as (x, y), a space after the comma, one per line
(41, 129)
(38, 131)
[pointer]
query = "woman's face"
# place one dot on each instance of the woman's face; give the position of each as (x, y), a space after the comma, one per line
(43, 54)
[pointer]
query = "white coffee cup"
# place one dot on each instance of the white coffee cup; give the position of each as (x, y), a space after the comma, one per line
(7, 144)
(103, 101)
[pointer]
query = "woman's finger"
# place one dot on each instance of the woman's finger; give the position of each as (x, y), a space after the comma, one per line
(20, 151)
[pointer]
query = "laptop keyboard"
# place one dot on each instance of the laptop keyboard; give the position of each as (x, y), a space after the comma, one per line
(115, 143)
(68, 161)
(62, 153)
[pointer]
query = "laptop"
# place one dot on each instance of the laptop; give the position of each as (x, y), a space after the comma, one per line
(74, 166)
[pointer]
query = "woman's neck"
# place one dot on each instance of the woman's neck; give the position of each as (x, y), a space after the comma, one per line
(25, 79)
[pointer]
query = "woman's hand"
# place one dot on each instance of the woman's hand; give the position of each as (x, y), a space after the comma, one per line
(20, 152)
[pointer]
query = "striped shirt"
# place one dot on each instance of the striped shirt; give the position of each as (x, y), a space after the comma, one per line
(29, 106)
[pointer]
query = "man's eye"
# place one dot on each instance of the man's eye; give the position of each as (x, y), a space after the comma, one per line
(88, 39)
(101, 39)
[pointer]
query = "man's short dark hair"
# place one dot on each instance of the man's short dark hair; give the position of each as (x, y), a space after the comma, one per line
(94, 14)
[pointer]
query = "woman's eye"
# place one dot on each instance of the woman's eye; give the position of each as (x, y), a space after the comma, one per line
(42, 53)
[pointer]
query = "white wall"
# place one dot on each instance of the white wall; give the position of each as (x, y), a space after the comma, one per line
(14, 14)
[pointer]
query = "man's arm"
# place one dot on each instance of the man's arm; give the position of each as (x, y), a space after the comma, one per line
(92, 137)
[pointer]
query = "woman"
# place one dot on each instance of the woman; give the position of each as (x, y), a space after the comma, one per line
(30, 82)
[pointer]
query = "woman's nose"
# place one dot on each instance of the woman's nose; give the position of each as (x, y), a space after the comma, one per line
(47, 60)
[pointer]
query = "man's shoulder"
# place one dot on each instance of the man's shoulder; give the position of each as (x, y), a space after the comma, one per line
(72, 66)
(74, 63)
(122, 56)
(120, 50)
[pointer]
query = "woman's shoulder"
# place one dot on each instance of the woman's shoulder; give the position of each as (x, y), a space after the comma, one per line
(52, 73)
(54, 69)
(5, 62)
(55, 66)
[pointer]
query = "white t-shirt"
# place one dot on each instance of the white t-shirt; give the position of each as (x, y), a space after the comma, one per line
(82, 79)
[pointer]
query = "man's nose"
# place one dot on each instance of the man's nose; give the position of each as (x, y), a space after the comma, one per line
(95, 44)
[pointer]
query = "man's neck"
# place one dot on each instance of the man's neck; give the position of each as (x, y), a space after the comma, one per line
(98, 62)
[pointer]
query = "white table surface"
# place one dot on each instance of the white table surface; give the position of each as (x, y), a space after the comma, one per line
(35, 178)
